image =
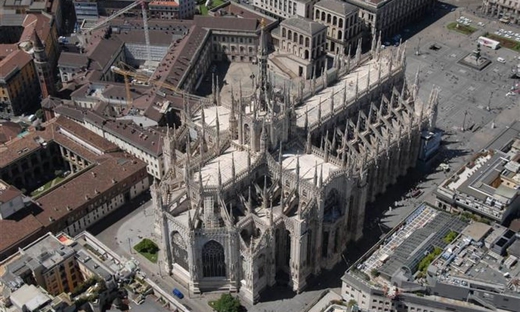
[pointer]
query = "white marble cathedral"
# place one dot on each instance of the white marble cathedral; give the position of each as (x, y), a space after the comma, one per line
(270, 188)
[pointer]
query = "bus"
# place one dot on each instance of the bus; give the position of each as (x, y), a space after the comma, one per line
(490, 43)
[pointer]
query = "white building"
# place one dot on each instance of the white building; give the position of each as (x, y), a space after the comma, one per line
(343, 26)
(302, 42)
(285, 8)
(144, 144)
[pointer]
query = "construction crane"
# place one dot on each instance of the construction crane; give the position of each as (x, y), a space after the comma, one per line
(82, 36)
(127, 71)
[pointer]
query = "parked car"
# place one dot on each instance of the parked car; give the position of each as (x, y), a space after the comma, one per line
(178, 293)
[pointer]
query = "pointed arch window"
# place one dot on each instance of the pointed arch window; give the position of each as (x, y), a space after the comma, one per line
(180, 255)
(213, 260)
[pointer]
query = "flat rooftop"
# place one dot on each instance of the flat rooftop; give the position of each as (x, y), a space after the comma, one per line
(422, 230)
(467, 263)
(489, 182)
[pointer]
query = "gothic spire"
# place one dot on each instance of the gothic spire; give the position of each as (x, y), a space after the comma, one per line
(250, 201)
(320, 184)
(201, 187)
(218, 129)
(219, 176)
(262, 62)
(248, 160)
(308, 147)
(319, 112)
(368, 78)
(280, 162)
(332, 101)
(357, 85)
(315, 180)
(271, 215)
(306, 125)
(263, 138)
(233, 174)
(344, 99)
(297, 172)
(264, 193)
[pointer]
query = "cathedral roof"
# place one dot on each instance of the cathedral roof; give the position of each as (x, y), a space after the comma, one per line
(309, 164)
(225, 161)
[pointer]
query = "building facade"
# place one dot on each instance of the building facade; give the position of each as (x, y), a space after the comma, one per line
(170, 9)
(86, 10)
(506, 10)
(285, 8)
(306, 40)
(343, 25)
(389, 17)
(269, 191)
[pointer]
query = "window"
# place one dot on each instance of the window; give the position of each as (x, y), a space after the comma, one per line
(213, 260)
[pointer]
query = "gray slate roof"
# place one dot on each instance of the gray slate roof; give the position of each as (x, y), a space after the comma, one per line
(304, 25)
(337, 6)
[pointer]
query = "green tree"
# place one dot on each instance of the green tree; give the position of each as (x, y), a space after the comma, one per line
(39, 114)
(227, 303)
(147, 246)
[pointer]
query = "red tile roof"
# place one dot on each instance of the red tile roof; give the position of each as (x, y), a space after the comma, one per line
(88, 186)
(15, 232)
(9, 130)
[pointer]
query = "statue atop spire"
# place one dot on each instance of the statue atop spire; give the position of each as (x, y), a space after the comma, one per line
(263, 84)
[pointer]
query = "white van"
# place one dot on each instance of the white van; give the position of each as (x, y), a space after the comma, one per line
(501, 60)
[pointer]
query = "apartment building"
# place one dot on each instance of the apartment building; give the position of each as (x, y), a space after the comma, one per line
(343, 25)
(46, 263)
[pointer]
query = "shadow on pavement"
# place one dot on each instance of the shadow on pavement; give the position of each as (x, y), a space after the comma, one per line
(119, 214)
(220, 70)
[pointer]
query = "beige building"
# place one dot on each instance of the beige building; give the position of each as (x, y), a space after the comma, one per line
(390, 16)
(507, 10)
(343, 26)
(46, 263)
(305, 41)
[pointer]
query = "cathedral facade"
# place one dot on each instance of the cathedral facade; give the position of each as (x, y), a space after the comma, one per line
(270, 187)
